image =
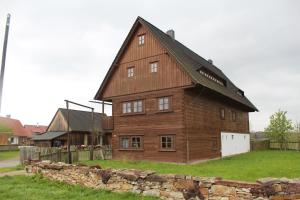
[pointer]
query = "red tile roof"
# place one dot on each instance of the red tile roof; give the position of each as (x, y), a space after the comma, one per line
(36, 129)
(15, 125)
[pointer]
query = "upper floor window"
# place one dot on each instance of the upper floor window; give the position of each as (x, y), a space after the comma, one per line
(167, 142)
(132, 107)
(222, 113)
(233, 116)
(153, 67)
(138, 106)
(127, 107)
(141, 39)
(130, 71)
(164, 103)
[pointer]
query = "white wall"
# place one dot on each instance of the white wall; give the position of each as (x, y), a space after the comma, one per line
(234, 143)
(15, 140)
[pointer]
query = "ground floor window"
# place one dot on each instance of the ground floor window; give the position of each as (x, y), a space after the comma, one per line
(167, 142)
(214, 144)
(131, 142)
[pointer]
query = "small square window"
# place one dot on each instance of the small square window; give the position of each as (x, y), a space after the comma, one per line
(167, 142)
(130, 71)
(141, 39)
(163, 103)
(136, 142)
(153, 67)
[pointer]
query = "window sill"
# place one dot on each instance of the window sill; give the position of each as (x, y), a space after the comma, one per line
(164, 111)
(130, 149)
(132, 114)
(167, 150)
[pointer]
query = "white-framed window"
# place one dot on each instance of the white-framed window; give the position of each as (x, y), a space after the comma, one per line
(153, 67)
(130, 71)
(141, 39)
(164, 103)
(138, 106)
(126, 107)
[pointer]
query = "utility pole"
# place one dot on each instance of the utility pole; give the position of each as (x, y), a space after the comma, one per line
(4, 57)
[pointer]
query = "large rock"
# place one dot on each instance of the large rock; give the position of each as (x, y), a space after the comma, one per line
(220, 190)
(152, 192)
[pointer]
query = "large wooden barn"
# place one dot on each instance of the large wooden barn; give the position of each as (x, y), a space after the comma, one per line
(170, 104)
(81, 129)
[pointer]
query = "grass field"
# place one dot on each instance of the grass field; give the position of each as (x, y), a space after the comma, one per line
(10, 169)
(35, 187)
(246, 167)
(4, 155)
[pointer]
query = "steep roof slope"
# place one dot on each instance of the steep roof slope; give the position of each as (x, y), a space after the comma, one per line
(82, 120)
(14, 126)
(190, 62)
(33, 129)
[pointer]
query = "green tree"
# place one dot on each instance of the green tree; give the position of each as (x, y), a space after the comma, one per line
(279, 127)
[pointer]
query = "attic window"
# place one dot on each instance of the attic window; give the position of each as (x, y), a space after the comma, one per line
(212, 77)
(141, 39)
(130, 71)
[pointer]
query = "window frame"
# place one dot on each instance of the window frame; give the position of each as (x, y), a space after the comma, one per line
(130, 139)
(127, 107)
(169, 108)
(233, 116)
(130, 72)
(222, 114)
(214, 144)
(154, 67)
(136, 107)
(173, 146)
(141, 39)
(121, 142)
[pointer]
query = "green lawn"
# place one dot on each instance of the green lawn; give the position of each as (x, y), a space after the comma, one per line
(246, 167)
(4, 155)
(35, 187)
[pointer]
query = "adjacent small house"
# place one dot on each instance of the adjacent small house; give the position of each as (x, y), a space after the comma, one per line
(12, 132)
(170, 104)
(81, 128)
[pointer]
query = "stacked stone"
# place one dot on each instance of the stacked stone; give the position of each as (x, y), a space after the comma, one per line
(166, 186)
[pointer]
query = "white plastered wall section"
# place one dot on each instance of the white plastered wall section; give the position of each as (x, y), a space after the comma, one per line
(234, 143)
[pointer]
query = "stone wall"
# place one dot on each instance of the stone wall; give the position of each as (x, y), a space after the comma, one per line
(166, 186)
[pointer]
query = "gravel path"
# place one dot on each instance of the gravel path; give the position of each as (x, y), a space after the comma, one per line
(10, 162)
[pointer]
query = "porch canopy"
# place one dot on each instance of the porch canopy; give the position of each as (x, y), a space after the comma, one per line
(48, 136)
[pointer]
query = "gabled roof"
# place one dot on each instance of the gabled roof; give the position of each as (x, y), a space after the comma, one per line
(35, 129)
(190, 62)
(81, 120)
(13, 127)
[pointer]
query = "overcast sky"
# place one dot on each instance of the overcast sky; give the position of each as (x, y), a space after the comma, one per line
(62, 49)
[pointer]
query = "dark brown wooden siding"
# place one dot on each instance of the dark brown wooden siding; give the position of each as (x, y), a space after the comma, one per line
(150, 125)
(168, 75)
(204, 124)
